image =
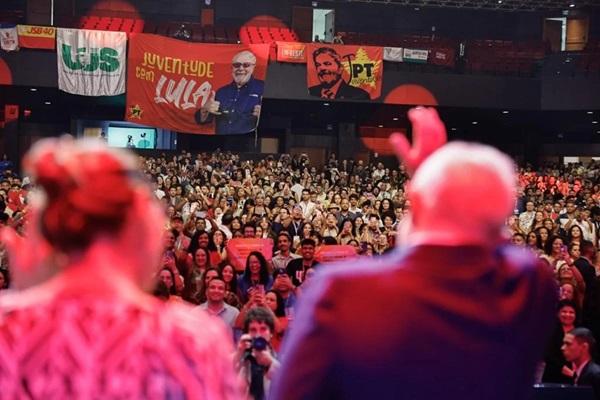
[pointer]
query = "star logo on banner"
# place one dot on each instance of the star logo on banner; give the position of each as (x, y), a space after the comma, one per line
(135, 112)
(362, 69)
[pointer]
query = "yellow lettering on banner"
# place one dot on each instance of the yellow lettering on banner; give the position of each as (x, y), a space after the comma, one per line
(142, 74)
(194, 67)
(177, 66)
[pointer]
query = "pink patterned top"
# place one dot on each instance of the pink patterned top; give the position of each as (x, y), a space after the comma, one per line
(96, 347)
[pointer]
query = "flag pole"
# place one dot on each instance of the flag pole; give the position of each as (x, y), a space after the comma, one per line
(51, 12)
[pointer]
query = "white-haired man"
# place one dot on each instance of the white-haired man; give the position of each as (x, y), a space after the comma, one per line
(454, 315)
(236, 106)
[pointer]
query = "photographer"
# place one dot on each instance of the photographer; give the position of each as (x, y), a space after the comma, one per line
(255, 359)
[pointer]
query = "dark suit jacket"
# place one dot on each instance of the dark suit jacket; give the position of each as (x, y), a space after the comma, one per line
(345, 91)
(590, 376)
(430, 322)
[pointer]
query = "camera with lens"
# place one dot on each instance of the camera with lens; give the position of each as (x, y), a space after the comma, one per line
(258, 343)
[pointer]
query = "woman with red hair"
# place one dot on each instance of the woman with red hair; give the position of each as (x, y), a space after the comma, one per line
(81, 325)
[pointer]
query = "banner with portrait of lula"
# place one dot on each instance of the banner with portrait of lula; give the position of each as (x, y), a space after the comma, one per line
(344, 72)
(195, 87)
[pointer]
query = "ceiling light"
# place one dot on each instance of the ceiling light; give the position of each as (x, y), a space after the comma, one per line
(33, 89)
(453, 129)
(325, 104)
(594, 122)
(395, 118)
(505, 112)
(590, 112)
(499, 1)
(380, 126)
(47, 103)
(474, 122)
(572, 5)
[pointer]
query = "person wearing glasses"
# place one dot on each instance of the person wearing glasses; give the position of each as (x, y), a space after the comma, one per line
(235, 107)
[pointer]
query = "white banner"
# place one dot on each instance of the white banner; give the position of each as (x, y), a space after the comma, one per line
(91, 63)
(9, 40)
(392, 54)
(415, 55)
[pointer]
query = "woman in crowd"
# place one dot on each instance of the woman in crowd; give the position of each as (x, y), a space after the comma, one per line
(193, 282)
(275, 303)
(167, 277)
(256, 277)
(538, 221)
(217, 247)
(542, 234)
(230, 277)
(555, 251)
(347, 232)
(574, 235)
(554, 359)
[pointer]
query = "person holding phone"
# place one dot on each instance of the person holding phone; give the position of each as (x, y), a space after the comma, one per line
(256, 278)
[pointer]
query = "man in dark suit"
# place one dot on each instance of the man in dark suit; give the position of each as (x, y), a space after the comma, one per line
(578, 347)
(590, 314)
(329, 71)
(453, 315)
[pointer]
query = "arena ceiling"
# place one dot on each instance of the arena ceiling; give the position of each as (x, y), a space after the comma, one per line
(500, 5)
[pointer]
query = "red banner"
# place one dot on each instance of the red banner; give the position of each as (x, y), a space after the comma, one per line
(239, 249)
(291, 52)
(443, 57)
(195, 87)
(335, 253)
(37, 37)
(344, 72)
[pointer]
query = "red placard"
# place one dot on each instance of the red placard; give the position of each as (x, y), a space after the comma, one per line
(335, 253)
(291, 52)
(169, 81)
(239, 249)
(344, 72)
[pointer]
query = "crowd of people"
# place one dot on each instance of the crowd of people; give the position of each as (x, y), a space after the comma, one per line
(211, 198)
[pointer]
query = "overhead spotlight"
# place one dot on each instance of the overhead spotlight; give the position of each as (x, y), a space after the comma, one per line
(572, 5)
(325, 104)
(590, 112)
(380, 126)
(474, 122)
(499, 1)
(594, 122)
(33, 89)
(452, 129)
(47, 103)
(505, 112)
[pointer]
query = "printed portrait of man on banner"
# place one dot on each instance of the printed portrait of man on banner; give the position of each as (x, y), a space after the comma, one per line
(235, 107)
(344, 72)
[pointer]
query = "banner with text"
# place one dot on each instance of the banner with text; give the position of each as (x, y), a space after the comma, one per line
(37, 37)
(344, 72)
(415, 55)
(91, 63)
(9, 41)
(291, 52)
(195, 87)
